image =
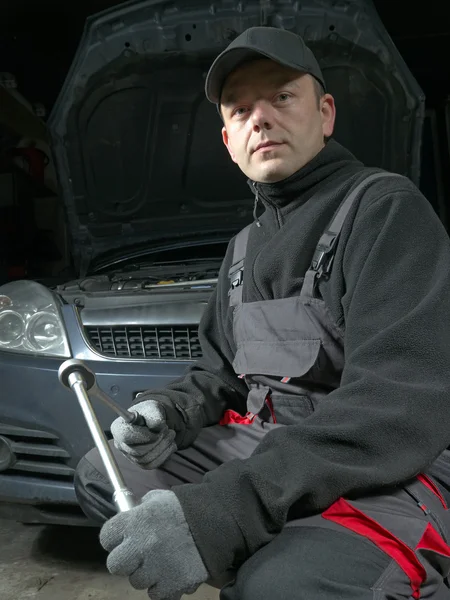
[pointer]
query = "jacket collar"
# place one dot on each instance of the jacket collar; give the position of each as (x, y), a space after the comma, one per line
(296, 189)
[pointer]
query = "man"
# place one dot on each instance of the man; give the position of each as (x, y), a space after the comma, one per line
(295, 451)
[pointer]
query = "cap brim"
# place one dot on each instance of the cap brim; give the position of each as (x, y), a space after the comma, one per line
(225, 63)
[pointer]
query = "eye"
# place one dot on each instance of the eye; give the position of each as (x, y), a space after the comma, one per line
(239, 111)
(283, 97)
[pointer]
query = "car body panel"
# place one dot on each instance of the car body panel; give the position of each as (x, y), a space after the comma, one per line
(138, 147)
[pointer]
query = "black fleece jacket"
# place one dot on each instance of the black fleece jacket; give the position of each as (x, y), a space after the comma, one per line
(389, 420)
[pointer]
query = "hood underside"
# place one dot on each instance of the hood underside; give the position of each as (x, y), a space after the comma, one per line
(138, 147)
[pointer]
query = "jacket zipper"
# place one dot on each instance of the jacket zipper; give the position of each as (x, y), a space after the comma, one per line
(258, 224)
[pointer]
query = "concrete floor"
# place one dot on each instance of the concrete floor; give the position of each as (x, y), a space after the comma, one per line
(62, 563)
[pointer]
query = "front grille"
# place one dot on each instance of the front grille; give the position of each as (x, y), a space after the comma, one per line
(160, 342)
(35, 452)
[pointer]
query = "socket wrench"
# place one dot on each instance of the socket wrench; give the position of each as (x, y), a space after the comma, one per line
(75, 375)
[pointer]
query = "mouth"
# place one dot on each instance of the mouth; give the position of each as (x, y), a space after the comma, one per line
(267, 146)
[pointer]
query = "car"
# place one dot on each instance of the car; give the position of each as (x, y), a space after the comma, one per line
(152, 200)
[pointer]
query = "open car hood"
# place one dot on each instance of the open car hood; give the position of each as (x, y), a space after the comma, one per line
(138, 147)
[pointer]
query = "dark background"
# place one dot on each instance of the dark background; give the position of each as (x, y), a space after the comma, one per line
(38, 39)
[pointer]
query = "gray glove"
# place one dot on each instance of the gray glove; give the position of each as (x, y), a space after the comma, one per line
(153, 546)
(148, 446)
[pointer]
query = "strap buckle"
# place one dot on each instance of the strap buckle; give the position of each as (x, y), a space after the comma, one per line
(323, 255)
(236, 279)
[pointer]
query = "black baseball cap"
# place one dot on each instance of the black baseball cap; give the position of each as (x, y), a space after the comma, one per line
(282, 46)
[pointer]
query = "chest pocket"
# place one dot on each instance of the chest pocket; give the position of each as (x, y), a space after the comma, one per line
(276, 338)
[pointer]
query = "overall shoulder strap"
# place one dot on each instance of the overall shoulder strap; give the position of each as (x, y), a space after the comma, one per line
(324, 252)
(236, 271)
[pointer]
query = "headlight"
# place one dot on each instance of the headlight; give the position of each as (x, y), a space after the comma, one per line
(30, 320)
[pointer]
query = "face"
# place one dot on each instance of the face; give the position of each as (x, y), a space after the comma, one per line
(274, 122)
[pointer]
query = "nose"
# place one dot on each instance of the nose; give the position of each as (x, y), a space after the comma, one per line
(262, 116)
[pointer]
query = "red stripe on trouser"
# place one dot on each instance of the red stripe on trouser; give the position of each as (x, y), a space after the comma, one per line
(427, 482)
(432, 540)
(348, 516)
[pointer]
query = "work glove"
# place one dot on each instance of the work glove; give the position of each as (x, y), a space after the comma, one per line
(148, 445)
(152, 545)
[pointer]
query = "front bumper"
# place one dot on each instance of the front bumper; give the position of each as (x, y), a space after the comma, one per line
(43, 427)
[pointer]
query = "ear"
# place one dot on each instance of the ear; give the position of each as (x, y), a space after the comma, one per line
(328, 111)
(226, 141)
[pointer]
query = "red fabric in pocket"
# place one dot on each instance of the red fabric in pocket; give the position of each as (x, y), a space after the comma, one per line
(231, 417)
